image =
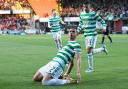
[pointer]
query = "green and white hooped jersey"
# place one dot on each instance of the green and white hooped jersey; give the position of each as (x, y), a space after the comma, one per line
(67, 53)
(55, 23)
(88, 23)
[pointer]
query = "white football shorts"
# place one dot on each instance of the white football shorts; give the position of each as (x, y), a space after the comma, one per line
(56, 35)
(90, 41)
(53, 68)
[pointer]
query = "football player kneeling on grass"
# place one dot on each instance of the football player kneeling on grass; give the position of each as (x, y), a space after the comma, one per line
(50, 73)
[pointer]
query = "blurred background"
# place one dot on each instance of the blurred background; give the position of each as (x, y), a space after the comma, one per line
(22, 17)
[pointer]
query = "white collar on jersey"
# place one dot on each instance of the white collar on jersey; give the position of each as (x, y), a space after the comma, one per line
(72, 41)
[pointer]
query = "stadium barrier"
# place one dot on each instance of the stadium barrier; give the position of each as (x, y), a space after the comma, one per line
(15, 11)
(5, 11)
(30, 31)
(15, 32)
(21, 12)
(125, 29)
(1, 32)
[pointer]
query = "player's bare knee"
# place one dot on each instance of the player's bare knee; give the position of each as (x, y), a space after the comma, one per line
(37, 79)
(34, 78)
(37, 76)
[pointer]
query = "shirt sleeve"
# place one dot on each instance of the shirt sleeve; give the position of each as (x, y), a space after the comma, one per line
(99, 19)
(77, 48)
(50, 22)
(79, 28)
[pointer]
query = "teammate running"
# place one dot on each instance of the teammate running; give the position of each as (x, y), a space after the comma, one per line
(87, 23)
(55, 24)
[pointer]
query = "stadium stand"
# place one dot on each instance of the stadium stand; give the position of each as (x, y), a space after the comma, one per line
(15, 16)
(117, 9)
(14, 4)
(20, 13)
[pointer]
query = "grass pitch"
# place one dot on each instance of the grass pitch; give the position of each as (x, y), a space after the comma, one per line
(21, 56)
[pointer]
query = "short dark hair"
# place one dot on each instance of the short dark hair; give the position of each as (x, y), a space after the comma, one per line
(72, 29)
(53, 10)
(91, 4)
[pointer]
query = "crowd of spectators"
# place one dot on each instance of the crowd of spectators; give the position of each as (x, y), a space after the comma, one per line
(116, 9)
(110, 10)
(11, 4)
(13, 23)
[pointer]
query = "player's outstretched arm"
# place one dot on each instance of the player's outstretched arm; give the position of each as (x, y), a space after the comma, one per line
(102, 21)
(78, 61)
(62, 22)
(70, 66)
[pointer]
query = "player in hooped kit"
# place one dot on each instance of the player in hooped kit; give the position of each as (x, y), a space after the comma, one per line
(88, 19)
(50, 73)
(55, 22)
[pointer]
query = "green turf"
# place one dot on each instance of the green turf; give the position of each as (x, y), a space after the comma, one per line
(21, 56)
